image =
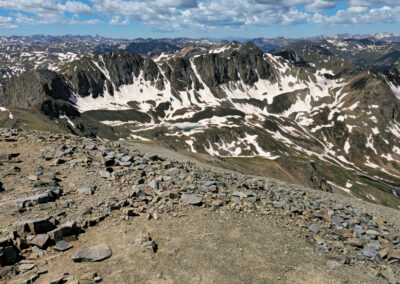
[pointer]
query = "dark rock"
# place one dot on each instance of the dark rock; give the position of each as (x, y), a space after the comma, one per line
(37, 226)
(8, 255)
(108, 161)
(59, 280)
(92, 254)
(4, 242)
(65, 230)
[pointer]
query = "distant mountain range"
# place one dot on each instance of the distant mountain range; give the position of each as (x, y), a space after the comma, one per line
(323, 112)
(23, 53)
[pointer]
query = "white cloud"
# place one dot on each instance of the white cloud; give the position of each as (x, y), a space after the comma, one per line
(117, 20)
(7, 23)
(364, 15)
(320, 5)
(181, 14)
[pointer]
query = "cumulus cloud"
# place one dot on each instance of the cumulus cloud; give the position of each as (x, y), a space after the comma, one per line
(182, 14)
(118, 21)
(7, 22)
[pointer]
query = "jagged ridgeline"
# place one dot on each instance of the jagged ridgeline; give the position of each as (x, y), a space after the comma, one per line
(304, 116)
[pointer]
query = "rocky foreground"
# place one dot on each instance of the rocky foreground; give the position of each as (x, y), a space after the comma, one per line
(69, 204)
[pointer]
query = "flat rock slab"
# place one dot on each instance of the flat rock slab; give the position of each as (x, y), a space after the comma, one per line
(27, 266)
(92, 254)
(62, 246)
(191, 199)
(40, 240)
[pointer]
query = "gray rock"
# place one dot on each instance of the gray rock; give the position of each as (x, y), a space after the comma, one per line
(92, 254)
(239, 194)
(369, 252)
(141, 166)
(87, 190)
(104, 174)
(237, 201)
(62, 246)
(40, 241)
(252, 199)
(313, 228)
(36, 253)
(204, 188)
(333, 264)
(127, 159)
(153, 184)
(191, 199)
(27, 266)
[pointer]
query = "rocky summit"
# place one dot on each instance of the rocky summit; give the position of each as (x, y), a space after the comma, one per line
(87, 210)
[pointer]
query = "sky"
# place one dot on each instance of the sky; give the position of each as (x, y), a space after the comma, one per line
(214, 19)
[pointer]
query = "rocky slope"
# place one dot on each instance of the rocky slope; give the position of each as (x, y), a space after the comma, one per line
(312, 115)
(68, 200)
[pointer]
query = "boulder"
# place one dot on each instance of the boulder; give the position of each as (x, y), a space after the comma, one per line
(62, 246)
(65, 230)
(37, 226)
(92, 254)
(41, 241)
(8, 255)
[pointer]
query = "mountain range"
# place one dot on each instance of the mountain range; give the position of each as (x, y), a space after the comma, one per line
(322, 112)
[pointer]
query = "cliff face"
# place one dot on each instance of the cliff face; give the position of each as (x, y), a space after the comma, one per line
(33, 88)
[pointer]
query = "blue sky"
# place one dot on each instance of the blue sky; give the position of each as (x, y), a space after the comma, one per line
(198, 18)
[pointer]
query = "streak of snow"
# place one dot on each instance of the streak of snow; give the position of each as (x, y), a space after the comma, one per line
(347, 146)
(137, 137)
(68, 120)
